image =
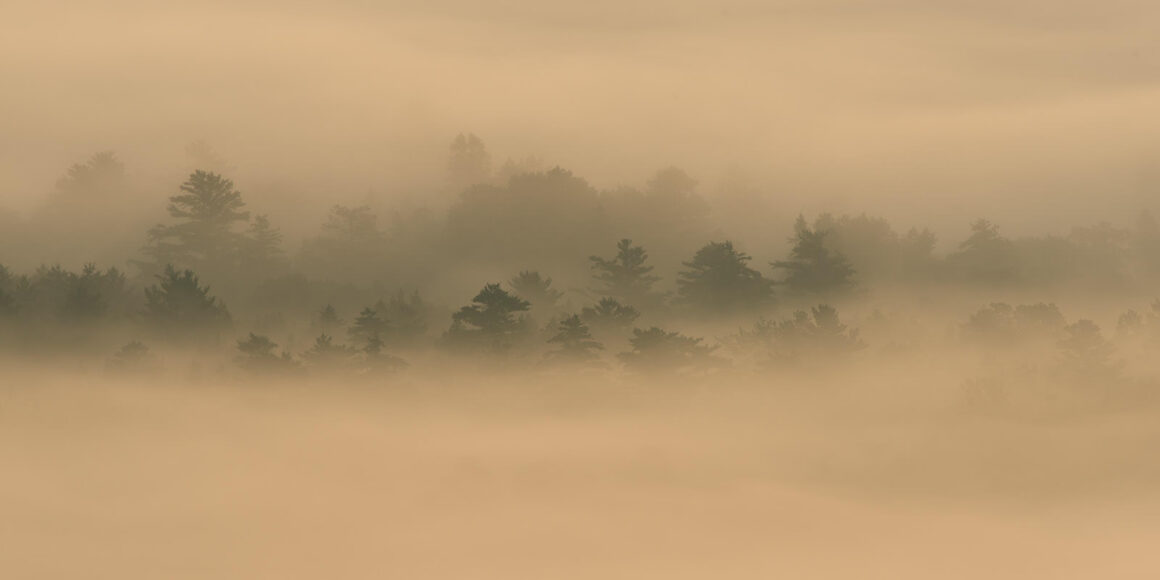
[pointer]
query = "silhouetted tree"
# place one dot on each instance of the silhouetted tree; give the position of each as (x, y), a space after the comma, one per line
(181, 307)
(719, 281)
(258, 355)
(812, 268)
(1086, 356)
(207, 212)
(133, 357)
(575, 342)
(536, 289)
(324, 355)
(985, 256)
(657, 351)
(102, 175)
(262, 248)
(625, 276)
(350, 242)
(817, 336)
(549, 217)
(368, 330)
(609, 314)
(469, 162)
(490, 322)
(408, 316)
(999, 324)
(326, 320)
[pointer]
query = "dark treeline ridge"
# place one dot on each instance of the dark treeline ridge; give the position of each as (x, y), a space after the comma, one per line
(536, 269)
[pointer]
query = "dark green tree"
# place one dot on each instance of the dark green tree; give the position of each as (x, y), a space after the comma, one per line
(257, 355)
(262, 252)
(814, 269)
(469, 162)
(325, 355)
(180, 306)
(985, 257)
(1086, 356)
(575, 342)
(625, 276)
(657, 351)
(326, 320)
(207, 211)
(490, 322)
(609, 314)
(368, 330)
(817, 336)
(133, 357)
(718, 281)
(536, 289)
(408, 316)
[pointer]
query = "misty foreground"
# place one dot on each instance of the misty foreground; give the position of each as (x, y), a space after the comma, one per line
(867, 475)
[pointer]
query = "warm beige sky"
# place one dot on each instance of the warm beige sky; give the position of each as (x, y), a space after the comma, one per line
(934, 109)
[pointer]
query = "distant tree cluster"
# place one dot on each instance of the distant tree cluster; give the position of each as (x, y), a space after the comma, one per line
(632, 270)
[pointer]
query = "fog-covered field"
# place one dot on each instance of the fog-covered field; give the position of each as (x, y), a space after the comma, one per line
(469, 477)
(642, 289)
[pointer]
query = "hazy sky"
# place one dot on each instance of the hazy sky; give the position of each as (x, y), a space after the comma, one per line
(925, 108)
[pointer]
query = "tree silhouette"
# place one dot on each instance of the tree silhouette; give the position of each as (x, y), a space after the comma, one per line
(490, 322)
(609, 314)
(536, 289)
(1086, 356)
(625, 276)
(657, 351)
(812, 268)
(985, 256)
(101, 175)
(133, 357)
(262, 248)
(207, 211)
(575, 342)
(324, 355)
(817, 336)
(326, 320)
(368, 330)
(469, 162)
(258, 355)
(349, 244)
(180, 306)
(407, 316)
(719, 281)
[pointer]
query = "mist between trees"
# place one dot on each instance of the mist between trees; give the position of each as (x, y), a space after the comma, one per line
(528, 268)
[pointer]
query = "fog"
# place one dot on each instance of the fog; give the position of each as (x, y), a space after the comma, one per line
(634, 289)
(931, 109)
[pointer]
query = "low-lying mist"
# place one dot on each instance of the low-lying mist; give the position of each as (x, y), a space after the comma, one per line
(868, 474)
(634, 289)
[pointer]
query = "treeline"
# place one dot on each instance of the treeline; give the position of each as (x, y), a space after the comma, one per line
(363, 297)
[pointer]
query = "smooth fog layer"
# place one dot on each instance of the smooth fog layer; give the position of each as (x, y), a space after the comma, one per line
(604, 289)
(434, 479)
(930, 109)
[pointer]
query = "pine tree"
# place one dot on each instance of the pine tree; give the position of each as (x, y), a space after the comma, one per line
(575, 341)
(536, 289)
(490, 322)
(814, 269)
(657, 351)
(180, 306)
(258, 355)
(625, 276)
(207, 211)
(609, 313)
(719, 281)
(368, 329)
(326, 356)
(469, 162)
